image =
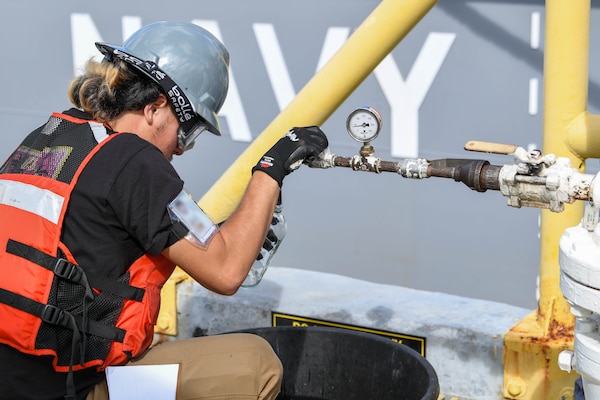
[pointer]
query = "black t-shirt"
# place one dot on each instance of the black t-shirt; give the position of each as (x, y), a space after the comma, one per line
(117, 213)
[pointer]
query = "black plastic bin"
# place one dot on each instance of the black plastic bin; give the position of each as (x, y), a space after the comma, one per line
(339, 364)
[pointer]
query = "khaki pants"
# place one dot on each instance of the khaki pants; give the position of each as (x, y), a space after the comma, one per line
(234, 366)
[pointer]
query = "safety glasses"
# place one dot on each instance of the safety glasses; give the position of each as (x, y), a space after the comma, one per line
(186, 137)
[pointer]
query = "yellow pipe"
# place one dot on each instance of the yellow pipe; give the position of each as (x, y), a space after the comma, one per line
(375, 38)
(532, 346)
(584, 136)
(565, 100)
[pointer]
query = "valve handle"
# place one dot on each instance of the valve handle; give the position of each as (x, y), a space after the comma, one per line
(490, 147)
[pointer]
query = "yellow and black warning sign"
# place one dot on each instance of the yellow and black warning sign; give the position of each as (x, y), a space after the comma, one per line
(416, 343)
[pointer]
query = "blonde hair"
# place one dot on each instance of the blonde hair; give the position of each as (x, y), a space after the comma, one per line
(106, 89)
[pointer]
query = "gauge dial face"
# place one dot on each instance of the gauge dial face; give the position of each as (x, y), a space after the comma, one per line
(364, 124)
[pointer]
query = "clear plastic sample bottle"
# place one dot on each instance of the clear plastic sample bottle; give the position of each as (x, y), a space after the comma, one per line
(276, 234)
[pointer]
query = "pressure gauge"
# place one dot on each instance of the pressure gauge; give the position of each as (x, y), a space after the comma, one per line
(364, 124)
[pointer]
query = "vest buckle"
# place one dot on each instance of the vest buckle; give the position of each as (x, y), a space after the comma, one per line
(67, 270)
(52, 315)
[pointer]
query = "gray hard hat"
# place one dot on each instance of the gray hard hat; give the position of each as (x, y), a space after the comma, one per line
(194, 59)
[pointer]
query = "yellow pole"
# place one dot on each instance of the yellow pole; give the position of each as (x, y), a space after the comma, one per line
(375, 38)
(565, 100)
(532, 346)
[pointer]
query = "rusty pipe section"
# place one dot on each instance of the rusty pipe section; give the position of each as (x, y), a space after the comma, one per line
(478, 175)
(409, 168)
(549, 184)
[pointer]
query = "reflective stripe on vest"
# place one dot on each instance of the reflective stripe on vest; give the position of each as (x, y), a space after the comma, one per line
(30, 198)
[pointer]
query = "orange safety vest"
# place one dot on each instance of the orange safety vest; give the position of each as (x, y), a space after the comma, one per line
(49, 305)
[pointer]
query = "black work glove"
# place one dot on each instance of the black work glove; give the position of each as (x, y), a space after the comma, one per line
(297, 146)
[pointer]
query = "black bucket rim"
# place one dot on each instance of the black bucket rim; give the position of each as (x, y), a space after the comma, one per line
(433, 388)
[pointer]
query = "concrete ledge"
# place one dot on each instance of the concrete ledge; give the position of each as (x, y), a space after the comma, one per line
(464, 337)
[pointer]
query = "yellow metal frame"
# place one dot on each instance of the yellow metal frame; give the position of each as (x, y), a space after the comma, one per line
(532, 346)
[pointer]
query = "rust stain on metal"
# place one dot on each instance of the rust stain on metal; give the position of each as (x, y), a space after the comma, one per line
(557, 333)
(560, 332)
(581, 192)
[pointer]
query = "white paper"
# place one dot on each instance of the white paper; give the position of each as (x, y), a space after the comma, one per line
(142, 382)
